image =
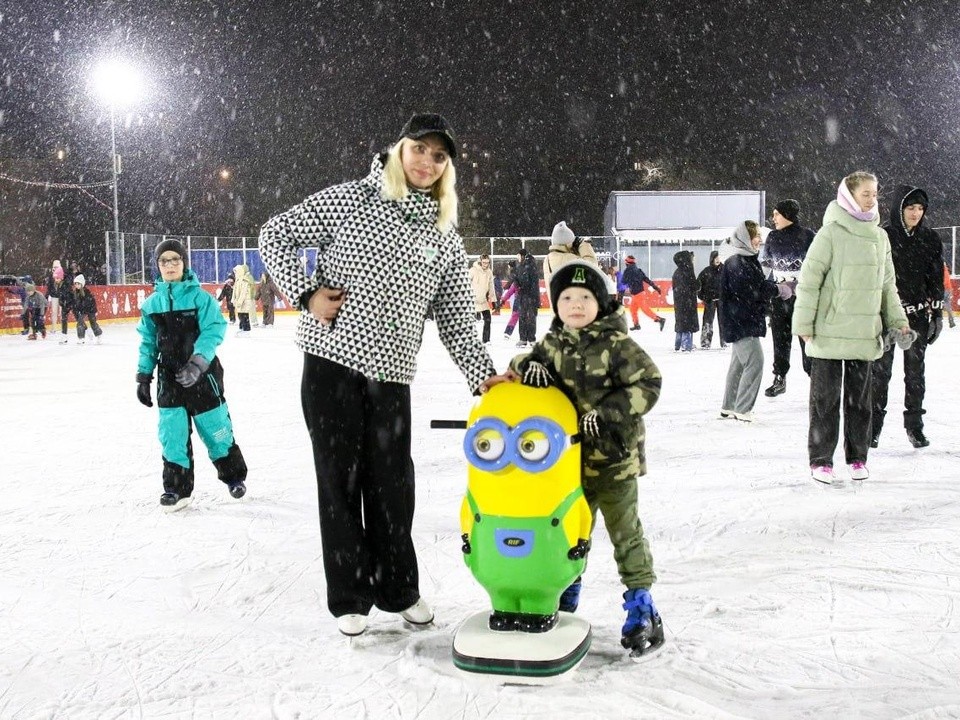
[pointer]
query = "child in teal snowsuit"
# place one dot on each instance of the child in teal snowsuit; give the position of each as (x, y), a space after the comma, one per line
(180, 328)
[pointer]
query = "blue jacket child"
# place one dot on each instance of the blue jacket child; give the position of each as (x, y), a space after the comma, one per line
(180, 329)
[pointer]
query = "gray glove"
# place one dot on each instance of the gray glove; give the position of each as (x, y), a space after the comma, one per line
(895, 337)
(786, 289)
(590, 423)
(191, 372)
(536, 375)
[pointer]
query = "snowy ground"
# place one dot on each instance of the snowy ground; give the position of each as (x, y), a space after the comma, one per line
(782, 598)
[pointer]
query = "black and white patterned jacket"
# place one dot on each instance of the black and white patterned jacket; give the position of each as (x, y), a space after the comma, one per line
(394, 262)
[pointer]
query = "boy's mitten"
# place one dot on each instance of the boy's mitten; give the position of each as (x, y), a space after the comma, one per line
(143, 389)
(590, 423)
(188, 375)
(536, 375)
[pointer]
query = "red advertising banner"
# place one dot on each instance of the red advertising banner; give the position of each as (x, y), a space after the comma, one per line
(114, 302)
(118, 302)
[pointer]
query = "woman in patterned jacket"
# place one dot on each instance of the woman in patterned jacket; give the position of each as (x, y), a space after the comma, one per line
(360, 328)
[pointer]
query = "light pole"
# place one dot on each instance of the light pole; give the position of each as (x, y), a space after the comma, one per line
(116, 171)
(117, 84)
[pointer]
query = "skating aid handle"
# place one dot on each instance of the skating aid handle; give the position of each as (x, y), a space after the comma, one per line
(448, 424)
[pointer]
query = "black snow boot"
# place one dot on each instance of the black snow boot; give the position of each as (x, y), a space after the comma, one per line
(237, 489)
(917, 438)
(779, 386)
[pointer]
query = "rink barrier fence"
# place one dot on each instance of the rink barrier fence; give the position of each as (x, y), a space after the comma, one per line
(123, 302)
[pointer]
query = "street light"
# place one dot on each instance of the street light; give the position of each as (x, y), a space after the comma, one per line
(117, 84)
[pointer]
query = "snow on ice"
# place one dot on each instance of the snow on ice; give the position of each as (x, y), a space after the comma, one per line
(782, 598)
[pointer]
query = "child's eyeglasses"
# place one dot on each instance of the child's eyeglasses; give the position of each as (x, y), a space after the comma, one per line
(165, 262)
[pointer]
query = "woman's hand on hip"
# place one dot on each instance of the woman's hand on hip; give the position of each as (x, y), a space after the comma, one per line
(325, 304)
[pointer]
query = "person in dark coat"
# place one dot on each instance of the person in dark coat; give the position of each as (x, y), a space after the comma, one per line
(84, 306)
(528, 297)
(744, 295)
(918, 263)
(226, 293)
(685, 320)
(267, 295)
(708, 290)
(781, 258)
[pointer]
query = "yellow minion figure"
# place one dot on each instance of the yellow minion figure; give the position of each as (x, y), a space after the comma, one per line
(525, 522)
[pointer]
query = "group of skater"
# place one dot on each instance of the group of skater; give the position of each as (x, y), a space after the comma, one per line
(240, 293)
(64, 294)
(852, 293)
(361, 324)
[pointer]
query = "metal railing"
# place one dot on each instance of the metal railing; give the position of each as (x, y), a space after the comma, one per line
(130, 259)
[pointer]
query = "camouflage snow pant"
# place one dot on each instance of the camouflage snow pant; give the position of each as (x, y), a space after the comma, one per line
(617, 501)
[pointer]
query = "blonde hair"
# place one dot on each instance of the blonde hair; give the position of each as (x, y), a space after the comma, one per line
(856, 179)
(753, 230)
(444, 191)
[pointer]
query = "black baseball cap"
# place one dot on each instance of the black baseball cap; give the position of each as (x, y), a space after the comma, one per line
(421, 124)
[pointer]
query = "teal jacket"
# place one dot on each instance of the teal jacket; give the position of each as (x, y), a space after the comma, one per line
(179, 320)
(847, 293)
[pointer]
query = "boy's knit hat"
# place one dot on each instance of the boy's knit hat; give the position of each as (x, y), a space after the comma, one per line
(582, 274)
(171, 245)
(789, 208)
(79, 279)
(630, 260)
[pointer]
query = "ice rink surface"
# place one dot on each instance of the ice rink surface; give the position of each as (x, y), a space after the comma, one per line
(782, 598)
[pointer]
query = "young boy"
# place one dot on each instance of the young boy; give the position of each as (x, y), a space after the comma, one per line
(34, 305)
(181, 327)
(612, 383)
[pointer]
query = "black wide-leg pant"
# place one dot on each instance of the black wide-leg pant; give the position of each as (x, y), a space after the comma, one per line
(914, 379)
(360, 433)
(529, 306)
(781, 330)
(828, 378)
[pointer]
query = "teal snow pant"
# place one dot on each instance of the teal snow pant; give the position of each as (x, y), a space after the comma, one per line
(202, 405)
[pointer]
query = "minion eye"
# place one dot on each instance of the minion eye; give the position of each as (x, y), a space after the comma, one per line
(488, 445)
(533, 446)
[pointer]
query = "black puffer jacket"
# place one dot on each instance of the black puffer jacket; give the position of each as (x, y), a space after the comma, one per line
(917, 256)
(708, 281)
(685, 318)
(744, 291)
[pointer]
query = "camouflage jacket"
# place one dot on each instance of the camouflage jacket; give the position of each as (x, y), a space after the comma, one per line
(601, 368)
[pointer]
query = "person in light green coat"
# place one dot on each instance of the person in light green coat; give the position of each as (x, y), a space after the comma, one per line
(846, 301)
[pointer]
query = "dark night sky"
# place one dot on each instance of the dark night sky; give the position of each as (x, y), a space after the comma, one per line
(563, 96)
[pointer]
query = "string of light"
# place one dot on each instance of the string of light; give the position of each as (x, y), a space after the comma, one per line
(54, 185)
(62, 186)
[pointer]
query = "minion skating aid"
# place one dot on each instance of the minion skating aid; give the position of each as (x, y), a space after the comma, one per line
(525, 527)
